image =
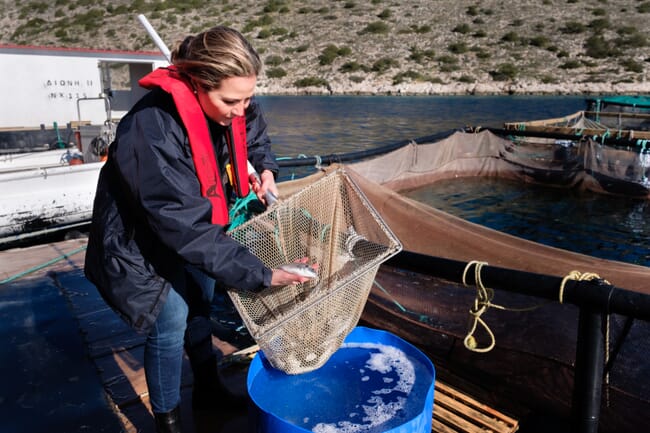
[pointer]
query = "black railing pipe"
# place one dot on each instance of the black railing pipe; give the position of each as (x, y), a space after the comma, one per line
(608, 140)
(588, 372)
(362, 154)
(359, 154)
(594, 293)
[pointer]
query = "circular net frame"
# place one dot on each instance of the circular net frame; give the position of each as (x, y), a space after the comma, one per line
(330, 222)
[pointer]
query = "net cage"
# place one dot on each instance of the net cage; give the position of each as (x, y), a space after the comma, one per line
(330, 222)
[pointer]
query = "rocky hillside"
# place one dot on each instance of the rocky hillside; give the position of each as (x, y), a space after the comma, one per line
(380, 46)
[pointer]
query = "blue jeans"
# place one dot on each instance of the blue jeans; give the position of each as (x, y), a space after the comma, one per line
(183, 323)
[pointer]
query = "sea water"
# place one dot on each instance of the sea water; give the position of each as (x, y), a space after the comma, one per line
(608, 227)
(322, 125)
(594, 224)
(363, 387)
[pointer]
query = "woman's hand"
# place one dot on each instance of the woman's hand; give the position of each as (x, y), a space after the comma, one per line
(268, 185)
(282, 277)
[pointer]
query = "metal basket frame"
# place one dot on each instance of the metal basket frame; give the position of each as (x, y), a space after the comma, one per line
(332, 222)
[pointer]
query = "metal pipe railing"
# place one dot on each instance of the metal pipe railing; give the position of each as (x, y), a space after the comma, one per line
(107, 105)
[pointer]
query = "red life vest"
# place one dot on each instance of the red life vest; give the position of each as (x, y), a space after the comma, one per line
(205, 162)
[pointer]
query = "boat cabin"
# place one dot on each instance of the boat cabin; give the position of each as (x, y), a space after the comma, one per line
(54, 92)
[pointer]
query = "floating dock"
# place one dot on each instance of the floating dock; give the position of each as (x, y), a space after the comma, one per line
(72, 359)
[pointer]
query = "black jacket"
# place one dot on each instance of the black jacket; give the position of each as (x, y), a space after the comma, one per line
(150, 220)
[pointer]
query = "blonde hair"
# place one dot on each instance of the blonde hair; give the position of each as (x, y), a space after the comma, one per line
(214, 55)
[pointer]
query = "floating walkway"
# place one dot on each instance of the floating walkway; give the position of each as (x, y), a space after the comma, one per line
(95, 380)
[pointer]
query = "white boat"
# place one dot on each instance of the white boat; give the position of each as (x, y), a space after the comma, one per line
(48, 158)
(56, 89)
(38, 201)
(60, 112)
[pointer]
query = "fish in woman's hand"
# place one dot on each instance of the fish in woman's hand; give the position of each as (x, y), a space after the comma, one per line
(299, 268)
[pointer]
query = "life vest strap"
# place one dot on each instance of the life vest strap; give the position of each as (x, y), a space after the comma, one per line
(203, 156)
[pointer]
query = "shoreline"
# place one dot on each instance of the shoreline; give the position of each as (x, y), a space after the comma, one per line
(459, 89)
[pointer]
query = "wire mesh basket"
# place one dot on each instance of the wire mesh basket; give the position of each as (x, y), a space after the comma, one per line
(330, 222)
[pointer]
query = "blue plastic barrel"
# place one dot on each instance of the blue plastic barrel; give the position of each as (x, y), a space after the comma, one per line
(376, 382)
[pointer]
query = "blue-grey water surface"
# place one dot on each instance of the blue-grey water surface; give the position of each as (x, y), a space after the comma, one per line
(599, 225)
(320, 125)
(585, 222)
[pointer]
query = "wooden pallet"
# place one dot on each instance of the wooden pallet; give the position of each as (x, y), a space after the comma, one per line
(454, 412)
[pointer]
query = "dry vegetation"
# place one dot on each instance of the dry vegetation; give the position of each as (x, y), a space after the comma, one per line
(380, 46)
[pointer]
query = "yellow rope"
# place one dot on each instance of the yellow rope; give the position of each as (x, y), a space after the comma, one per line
(577, 276)
(588, 276)
(482, 302)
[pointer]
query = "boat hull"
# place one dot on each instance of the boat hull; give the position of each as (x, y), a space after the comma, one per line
(37, 201)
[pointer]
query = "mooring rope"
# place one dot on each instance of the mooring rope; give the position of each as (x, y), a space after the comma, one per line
(43, 265)
(319, 162)
(577, 276)
(482, 302)
(376, 283)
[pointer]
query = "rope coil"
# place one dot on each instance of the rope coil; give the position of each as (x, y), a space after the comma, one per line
(577, 276)
(482, 302)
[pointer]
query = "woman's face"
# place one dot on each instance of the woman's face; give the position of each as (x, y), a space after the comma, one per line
(230, 100)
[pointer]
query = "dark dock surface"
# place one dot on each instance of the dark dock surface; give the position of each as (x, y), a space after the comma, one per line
(70, 364)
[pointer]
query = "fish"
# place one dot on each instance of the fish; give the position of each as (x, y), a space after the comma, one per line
(297, 268)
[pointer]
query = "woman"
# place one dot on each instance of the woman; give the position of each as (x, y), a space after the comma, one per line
(157, 242)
